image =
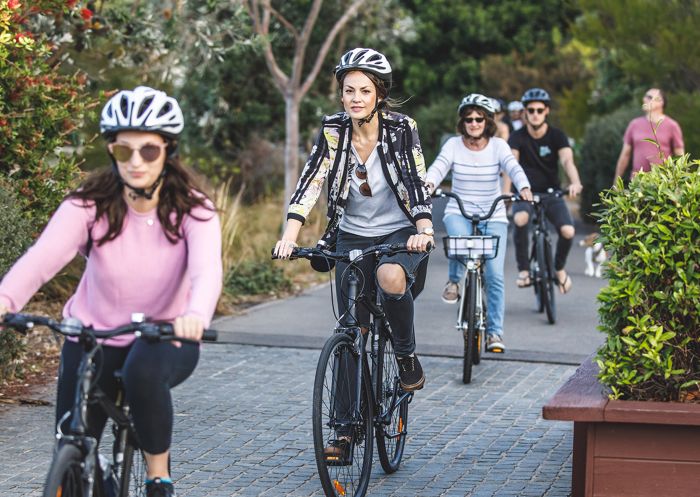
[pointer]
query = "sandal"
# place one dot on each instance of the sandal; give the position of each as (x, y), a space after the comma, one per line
(523, 279)
(565, 286)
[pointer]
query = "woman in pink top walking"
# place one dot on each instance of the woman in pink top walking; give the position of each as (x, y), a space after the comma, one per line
(153, 244)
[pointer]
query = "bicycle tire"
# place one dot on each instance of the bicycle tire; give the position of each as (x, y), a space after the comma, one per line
(132, 471)
(350, 479)
(65, 478)
(536, 274)
(479, 342)
(550, 303)
(469, 328)
(544, 276)
(391, 438)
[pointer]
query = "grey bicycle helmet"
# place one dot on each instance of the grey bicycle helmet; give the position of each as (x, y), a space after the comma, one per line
(142, 109)
(477, 100)
(364, 59)
(535, 95)
(515, 106)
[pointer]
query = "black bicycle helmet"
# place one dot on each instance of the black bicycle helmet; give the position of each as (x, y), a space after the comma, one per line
(536, 95)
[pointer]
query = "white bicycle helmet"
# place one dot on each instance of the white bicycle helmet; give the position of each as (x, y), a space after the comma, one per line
(142, 109)
(477, 100)
(535, 95)
(497, 107)
(364, 59)
(515, 106)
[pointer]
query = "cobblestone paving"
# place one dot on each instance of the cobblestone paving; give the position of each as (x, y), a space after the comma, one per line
(243, 428)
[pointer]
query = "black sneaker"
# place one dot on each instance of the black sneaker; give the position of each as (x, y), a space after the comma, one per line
(410, 373)
(159, 488)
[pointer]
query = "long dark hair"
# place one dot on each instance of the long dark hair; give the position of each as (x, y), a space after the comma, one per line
(180, 192)
(489, 129)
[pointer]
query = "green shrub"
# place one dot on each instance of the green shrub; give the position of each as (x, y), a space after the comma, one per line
(650, 309)
(15, 237)
(685, 108)
(256, 277)
(602, 142)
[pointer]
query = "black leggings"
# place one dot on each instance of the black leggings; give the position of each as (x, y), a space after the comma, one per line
(556, 211)
(149, 371)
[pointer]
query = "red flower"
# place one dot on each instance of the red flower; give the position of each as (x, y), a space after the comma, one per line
(86, 14)
(13, 4)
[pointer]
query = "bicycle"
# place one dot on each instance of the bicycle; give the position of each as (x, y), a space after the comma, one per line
(472, 251)
(542, 273)
(368, 381)
(78, 469)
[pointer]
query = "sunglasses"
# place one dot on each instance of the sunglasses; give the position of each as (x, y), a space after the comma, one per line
(148, 152)
(539, 110)
(652, 97)
(470, 120)
(361, 173)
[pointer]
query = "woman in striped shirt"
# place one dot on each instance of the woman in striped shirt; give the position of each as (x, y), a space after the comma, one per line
(477, 158)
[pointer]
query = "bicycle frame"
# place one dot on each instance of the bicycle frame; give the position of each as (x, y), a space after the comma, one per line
(378, 326)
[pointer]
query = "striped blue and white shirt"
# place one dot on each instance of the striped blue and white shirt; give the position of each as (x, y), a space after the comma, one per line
(475, 175)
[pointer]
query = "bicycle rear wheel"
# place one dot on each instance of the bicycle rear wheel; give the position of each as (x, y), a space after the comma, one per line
(65, 478)
(390, 432)
(333, 417)
(550, 304)
(536, 275)
(468, 326)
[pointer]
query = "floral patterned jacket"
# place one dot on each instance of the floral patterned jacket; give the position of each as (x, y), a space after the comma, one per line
(331, 159)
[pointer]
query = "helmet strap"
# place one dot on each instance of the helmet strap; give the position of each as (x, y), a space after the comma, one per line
(367, 119)
(135, 193)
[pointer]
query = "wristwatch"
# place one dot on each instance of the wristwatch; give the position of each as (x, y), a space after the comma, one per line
(428, 231)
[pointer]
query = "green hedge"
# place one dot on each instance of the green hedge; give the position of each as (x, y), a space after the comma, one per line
(602, 142)
(650, 309)
(15, 237)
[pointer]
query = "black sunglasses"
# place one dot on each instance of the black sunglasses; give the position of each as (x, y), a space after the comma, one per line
(361, 173)
(148, 152)
(474, 120)
(539, 110)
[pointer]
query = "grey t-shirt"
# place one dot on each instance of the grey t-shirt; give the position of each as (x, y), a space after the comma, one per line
(377, 215)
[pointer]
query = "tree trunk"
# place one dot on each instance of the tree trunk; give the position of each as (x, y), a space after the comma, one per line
(291, 146)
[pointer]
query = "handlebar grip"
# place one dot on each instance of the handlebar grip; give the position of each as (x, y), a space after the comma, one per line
(210, 335)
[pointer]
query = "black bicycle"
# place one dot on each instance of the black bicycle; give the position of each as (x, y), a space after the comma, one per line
(472, 251)
(78, 469)
(542, 273)
(357, 393)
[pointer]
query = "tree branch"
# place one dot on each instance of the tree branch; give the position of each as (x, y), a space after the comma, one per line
(303, 42)
(290, 27)
(262, 29)
(340, 24)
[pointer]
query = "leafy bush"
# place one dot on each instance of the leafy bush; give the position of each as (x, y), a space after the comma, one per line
(601, 147)
(15, 237)
(685, 108)
(40, 109)
(256, 277)
(650, 309)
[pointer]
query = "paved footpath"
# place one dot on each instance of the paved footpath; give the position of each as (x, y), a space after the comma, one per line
(243, 428)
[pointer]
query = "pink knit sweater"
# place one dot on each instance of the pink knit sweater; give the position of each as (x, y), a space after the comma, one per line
(139, 271)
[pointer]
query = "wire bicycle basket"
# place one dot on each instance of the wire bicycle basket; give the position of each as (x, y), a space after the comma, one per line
(471, 247)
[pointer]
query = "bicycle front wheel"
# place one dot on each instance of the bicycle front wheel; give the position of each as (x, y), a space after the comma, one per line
(336, 418)
(549, 275)
(393, 415)
(65, 478)
(132, 471)
(468, 326)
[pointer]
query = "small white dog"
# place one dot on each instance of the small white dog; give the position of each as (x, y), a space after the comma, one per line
(595, 255)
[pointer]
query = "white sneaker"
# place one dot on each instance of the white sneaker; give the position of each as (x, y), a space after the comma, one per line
(494, 343)
(450, 295)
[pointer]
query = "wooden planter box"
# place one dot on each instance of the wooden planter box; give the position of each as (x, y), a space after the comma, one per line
(627, 448)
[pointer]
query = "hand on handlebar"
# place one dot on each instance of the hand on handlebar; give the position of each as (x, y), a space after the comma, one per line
(575, 189)
(3, 310)
(526, 194)
(283, 249)
(189, 327)
(420, 243)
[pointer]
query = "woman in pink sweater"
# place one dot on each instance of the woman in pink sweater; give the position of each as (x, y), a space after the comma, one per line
(153, 244)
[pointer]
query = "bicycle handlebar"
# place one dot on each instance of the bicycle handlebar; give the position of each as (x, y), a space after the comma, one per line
(475, 218)
(72, 327)
(353, 255)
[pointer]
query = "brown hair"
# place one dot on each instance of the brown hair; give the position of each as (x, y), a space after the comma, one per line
(179, 193)
(490, 127)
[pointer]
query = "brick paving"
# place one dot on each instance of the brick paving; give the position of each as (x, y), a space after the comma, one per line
(243, 428)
